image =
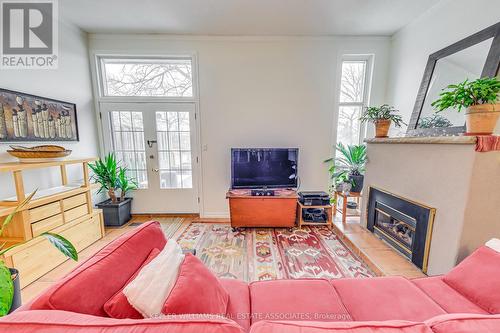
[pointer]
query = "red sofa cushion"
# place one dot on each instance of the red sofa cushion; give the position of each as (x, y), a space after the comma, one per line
(54, 321)
(118, 306)
(89, 286)
(304, 299)
(197, 290)
(447, 297)
(238, 308)
(465, 323)
(339, 327)
(385, 298)
(478, 279)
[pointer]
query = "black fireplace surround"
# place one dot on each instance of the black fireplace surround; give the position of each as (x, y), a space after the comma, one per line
(402, 223)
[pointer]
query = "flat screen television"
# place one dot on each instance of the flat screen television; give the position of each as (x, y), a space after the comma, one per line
(264, 167)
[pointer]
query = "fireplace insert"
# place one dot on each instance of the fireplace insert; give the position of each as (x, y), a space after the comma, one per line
(403, 224)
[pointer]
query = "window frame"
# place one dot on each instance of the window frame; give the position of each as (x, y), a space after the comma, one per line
(101, 76)
(368, 59)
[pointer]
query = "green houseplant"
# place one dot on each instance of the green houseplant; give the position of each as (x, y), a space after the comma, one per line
(113, 179)
(348, 166)
(9, 280)
(480, 98)
(382, 116)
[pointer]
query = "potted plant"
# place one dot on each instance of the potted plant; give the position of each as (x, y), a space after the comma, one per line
(382, 116)
(480, 98)
(349, 166)
(10, 291)
(113, 178)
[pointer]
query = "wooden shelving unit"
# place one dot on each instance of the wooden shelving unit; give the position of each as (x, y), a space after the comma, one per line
(66, 210)
(328, 211)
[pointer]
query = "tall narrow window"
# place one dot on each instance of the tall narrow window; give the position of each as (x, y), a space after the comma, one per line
(353, 97)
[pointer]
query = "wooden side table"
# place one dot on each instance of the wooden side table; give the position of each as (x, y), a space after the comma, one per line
(327, 208)
(345, 198)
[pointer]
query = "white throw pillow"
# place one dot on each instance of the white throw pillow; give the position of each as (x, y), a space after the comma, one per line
(494, 244)
(149, 290)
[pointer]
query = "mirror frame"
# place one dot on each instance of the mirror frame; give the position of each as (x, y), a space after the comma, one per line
(490, 69)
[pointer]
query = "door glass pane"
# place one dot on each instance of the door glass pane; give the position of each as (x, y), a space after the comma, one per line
(174, 149)
(349, 125)
(352, 83)
(127, 132)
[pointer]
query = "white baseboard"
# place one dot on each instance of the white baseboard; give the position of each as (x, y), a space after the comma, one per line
(215, 215)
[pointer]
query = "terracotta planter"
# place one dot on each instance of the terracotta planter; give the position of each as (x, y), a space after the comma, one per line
(382, 128)
(482, 119)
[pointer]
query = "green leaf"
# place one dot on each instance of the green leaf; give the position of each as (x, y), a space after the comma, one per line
(468, 93)
(9, 217)
(62, 244)
(6, 290)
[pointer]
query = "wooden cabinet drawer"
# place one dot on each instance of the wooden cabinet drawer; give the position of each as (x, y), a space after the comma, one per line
(38, 258)
(47, 224)
(75, 213)
(42, 212)
(75, 201)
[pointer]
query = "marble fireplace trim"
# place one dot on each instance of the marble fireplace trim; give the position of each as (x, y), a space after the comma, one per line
(457, 140)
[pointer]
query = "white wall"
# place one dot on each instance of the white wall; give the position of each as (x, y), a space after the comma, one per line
(261, 92)
(70, 82)
(446, 23)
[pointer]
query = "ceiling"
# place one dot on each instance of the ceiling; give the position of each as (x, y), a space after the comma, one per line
(244, 17)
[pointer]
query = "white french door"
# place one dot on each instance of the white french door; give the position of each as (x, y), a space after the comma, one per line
(157, 142)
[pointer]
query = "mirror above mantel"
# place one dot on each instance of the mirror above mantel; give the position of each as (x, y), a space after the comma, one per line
(471, 58)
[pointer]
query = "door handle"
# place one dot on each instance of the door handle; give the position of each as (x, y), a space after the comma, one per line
(150, 143)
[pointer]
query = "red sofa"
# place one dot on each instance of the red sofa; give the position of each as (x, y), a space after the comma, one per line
(465, 300)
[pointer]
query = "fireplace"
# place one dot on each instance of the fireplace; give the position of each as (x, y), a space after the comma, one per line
(402, 223)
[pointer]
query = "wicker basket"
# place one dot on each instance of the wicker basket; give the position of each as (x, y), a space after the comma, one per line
(39, 153)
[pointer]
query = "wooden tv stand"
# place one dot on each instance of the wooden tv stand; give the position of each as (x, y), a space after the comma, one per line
(246, 210)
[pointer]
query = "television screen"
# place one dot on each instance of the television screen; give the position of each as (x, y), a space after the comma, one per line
(264, 167)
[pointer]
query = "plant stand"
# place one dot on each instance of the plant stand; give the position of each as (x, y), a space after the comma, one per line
(345, 198)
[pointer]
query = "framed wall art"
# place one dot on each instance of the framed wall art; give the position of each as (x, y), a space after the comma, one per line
(29, 118)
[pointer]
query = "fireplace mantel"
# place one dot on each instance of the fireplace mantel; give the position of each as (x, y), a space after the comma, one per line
(451, 176)
(446, 140)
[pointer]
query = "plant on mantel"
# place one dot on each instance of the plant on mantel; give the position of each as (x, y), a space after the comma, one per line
(382, 116)
(480, 98)
(348, 166)
(7, 289)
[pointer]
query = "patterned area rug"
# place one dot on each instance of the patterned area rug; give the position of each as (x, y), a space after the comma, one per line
(265, 254)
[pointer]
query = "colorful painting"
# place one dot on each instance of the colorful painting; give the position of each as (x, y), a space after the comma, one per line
(28, 118)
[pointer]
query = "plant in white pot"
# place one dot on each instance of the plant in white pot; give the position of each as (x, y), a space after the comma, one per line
(481, 100)
(113, 180)
(382, 116)
(10, 292)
